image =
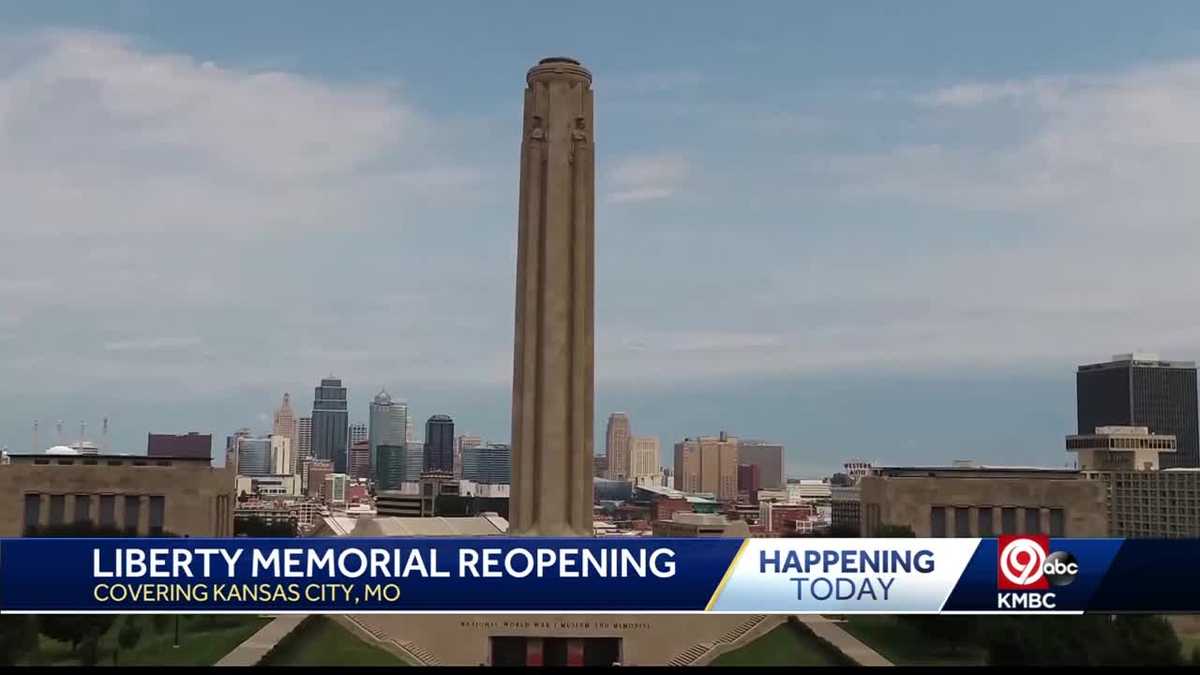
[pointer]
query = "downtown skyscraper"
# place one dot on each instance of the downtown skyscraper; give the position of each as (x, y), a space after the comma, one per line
(253, 456)
(359, 433)
(439, 444)
(708, 464)
(464, 442)
(644, 456)
(1140, 389)
(768, 457)
(304, 438)
(490, 463)
(388, 425)
(330, 431)
(285, 423)
(616, 446)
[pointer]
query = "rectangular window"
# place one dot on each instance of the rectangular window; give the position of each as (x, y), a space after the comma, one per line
(986, 528)
(962, 522)
(108, 511)
(58, 509)
(1058, 523)
(1033, 521)
(133, 508)
(937, 521)
(83, 508)
(33, 512)
(157, 509)
(872, 519)
(1008, 520)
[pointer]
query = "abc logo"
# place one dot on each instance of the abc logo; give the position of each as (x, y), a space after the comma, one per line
(1025, 563)
(1060, 568)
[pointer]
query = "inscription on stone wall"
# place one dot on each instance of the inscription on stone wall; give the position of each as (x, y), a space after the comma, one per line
(556, 625)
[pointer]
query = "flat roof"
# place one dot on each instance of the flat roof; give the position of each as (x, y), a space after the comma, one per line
(979, 468)
(1138, 360)
(436, 526)
(87, 455)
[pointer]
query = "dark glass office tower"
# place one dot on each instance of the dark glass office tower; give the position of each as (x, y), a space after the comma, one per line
(329, 423)
(439, 444)
(1142, 390)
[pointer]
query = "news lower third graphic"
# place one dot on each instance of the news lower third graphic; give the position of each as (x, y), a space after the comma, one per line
(1011, 574)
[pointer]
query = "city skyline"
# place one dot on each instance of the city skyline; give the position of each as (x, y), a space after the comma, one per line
(799, 461)
(759, 246)
(874, 209)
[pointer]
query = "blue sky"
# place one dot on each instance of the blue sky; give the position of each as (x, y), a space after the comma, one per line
(886, 230)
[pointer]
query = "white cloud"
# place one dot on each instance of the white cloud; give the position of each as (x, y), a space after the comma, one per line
(146, 344)
(647, 178)
(1055, 224)
(1023, 225)
(973, 94)
(99, 135)
(186, 224)
(1100, 151)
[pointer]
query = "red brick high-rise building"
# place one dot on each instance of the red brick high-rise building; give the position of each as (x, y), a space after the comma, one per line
(749, 478)
(317, 470)
(360, 460)
(191, 444)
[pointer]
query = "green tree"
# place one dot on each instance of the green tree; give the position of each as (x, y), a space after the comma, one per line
(75, 629)
(1082, 640)
(89, 650)
(949, 631)
(1151, 639)
(160, 622)
(128, 636)
(67, 628)
(18, 637)
(78, 630)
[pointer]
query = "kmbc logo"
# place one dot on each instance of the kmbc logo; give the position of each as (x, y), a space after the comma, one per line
(1025, 563)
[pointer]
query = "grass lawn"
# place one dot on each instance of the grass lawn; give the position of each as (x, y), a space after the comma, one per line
(202, 648)
(786, 645)
(903, 646)
(202, 642)
(321, 641)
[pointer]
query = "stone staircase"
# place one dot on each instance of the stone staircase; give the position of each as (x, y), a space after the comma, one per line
(690, 655)
(422, 656)
(696, 653)
(411, 651)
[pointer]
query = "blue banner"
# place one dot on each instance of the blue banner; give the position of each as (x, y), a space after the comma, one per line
(361, 575)
(1011, 574)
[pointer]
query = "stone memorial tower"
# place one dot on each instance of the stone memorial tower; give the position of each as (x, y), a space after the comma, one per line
(552, 421)
(554, 347)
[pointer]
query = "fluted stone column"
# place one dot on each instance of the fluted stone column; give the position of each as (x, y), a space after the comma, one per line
(554, 348)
